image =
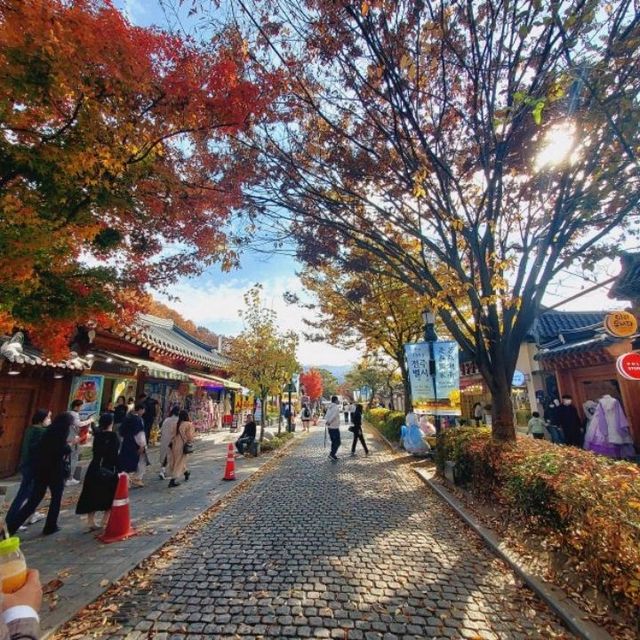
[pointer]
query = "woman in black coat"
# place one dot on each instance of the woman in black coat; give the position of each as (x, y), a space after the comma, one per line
(51, 466)
(102, 475)
(357, 431)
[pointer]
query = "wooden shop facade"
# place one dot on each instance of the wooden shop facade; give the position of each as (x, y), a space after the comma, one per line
(154, 356)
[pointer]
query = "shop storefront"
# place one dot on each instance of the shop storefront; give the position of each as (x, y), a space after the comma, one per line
(119, 379)
(28, 382)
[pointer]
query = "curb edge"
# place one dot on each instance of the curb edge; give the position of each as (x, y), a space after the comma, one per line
(553, 596)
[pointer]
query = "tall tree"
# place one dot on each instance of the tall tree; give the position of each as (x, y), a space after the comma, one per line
(501, 137)
(329, 383)
(311, 381)
(262, 358)
(115, 171)
(376, 375)
(361, 305)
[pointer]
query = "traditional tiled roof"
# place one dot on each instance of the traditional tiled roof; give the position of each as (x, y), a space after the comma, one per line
(165, 337)
(594, 343)
(15, 351)
(572, 325)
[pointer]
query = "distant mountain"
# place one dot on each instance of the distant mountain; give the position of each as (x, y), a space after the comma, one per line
(339, 371)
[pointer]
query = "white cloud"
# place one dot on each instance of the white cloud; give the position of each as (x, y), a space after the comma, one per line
(216, 306)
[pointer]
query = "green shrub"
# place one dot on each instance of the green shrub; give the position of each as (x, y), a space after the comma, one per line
(583, 505)
(392, 426)
(276, 442)
(377, 416)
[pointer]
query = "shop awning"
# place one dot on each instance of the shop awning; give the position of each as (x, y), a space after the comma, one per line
(154, 369)
(213, 382)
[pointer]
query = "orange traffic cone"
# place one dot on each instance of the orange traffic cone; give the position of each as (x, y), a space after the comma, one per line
(230, 471)
(119, 525)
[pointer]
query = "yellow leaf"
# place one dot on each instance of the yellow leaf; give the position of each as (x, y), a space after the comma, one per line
(365, 7)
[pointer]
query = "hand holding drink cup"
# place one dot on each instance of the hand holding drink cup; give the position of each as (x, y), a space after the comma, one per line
(30, 594)
(13, 566)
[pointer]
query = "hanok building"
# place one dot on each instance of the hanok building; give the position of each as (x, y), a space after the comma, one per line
(154, 356)
(565, 352)
(578, 357)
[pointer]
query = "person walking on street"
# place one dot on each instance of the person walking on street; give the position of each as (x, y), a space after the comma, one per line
(32, 437)
(478, 414)
(102, 475)
(182, 435)
(74, 439)
(357, 431)
(550, 418)
(332, 423)
(119, 413)
(50, 470)
(167, 430)
(352, 410)
(345, 410)
(133, 445)
(247, 436)
(569, 421)
(150, 413)
(306, 417)
(536, 426)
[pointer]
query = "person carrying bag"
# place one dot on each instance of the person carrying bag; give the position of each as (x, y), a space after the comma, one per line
(180, 447)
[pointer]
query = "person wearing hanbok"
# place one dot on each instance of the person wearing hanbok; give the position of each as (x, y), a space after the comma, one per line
(412, 437)
(427, 428)
(182, 434)
(101, 478)
(608, 431)
(414, 441)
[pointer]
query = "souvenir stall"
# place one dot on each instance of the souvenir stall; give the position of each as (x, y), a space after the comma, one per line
(205, 411)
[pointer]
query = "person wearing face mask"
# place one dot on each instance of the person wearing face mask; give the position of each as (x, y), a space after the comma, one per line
(569, 421)
(550, 418)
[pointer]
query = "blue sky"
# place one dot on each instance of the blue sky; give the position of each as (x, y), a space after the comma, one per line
(214, 298)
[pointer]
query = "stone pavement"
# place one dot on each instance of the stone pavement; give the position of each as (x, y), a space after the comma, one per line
(359, 550)
(86, 567)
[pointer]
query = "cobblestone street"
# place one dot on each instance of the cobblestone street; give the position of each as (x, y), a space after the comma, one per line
(360, 549)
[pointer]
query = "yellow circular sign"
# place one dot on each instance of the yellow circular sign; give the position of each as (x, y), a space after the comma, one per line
(620, 324)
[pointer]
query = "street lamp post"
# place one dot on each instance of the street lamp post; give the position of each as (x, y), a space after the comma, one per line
(430, 336)
(290, 411)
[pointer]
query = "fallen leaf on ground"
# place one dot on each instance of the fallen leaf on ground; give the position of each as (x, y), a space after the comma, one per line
(52, 585)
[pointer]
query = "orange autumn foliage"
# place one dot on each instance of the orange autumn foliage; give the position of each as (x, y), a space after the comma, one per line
(312, 382)
(116, 170)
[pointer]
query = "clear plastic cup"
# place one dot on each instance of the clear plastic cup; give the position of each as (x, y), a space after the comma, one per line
(13, 565)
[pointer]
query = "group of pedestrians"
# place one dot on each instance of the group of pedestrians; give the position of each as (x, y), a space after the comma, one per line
(332, 422)
(50, 453)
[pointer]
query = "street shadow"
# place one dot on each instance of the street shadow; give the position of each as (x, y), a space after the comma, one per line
(361, 544)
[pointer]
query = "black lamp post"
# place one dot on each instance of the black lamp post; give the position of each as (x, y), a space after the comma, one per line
(430, 336)
(290, 410)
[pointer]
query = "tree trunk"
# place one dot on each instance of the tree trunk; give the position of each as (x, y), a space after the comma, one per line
(279, 414)
(405, 380)
(502, 424)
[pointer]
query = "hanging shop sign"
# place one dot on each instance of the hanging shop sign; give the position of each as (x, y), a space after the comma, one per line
(628, 365)
(518, 379)
(114, 368)
(620, 324)
(443, 397)
(89, 390)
